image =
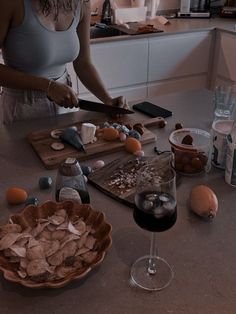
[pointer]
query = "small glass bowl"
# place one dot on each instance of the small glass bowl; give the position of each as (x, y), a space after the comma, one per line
(191, 159)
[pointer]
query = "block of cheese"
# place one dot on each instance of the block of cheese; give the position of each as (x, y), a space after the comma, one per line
(87, 132)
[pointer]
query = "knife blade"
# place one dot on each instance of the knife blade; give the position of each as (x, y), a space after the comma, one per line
(100, 107)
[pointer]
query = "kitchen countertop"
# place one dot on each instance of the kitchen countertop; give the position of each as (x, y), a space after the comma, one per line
(202, 253)
(178, 26)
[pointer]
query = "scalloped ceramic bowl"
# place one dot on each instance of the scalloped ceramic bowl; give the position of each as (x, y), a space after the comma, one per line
(29, 215)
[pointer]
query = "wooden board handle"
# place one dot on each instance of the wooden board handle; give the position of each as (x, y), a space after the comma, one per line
(152, 121)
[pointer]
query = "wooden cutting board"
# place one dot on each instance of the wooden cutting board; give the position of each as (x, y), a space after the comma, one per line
(136, 28)
(41, 142)
(118, 178)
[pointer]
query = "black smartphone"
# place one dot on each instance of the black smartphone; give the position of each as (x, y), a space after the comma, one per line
(152, 110)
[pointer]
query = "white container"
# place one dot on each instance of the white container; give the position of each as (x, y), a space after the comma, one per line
(185, 6)
(230, 169)
(224, 101)
(130, 14)
(220, 130)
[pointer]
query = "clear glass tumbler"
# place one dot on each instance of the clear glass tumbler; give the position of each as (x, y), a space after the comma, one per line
(224, 101)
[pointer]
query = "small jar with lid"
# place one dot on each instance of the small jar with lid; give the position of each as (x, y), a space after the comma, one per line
(191, 149)
(70, 182)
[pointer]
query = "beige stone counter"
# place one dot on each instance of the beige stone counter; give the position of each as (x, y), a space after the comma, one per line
(202, 253)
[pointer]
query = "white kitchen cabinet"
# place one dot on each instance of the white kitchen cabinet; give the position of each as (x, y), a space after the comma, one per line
(179, 62)
(224, 68)
(122, 66)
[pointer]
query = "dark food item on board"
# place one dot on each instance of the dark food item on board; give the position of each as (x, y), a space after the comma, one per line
(139, 128)
(73, 138)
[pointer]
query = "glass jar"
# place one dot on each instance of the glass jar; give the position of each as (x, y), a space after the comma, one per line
(191, 158)
(70, 182)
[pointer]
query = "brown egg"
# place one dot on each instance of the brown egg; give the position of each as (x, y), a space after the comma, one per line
(203, 201)
(16, 196)
(196, 163)
(132, 145)
(187, 140)
(178, 126)
(110, 134)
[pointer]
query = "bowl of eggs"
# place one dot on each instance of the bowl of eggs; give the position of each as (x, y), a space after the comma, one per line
(191, 149)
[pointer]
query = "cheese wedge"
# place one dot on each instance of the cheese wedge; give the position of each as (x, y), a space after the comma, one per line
(87, 133)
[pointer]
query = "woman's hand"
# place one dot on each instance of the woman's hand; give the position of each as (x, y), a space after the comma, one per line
(62, 94)
(119, 101)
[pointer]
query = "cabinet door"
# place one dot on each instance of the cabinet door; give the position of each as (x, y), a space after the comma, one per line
(121, 63)
(178, 56)
(226, 64)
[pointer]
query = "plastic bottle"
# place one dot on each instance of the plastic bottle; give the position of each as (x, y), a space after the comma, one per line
(106, 12)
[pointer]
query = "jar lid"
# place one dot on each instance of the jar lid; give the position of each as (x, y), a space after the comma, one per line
(201, 138)
(222, 126)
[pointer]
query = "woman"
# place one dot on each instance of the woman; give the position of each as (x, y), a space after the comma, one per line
(38, 38)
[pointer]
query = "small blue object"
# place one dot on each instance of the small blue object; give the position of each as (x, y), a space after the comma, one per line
(86, 170)
(135, 134)
(32, 201)
(105, 125)
(45, 183)
(115, 125)
(123, 129)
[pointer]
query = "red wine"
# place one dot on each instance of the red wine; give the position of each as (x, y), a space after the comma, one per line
(155, 211)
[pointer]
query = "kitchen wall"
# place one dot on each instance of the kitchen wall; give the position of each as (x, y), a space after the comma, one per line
(163, 5)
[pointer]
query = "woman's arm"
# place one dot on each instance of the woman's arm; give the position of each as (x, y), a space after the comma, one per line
(11, 78)
(83, 66)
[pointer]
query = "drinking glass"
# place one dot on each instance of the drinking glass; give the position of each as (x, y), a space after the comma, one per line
(155, 210)
(224, 101)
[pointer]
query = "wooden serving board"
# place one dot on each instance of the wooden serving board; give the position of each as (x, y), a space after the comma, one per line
(134, 29)
(118, 178)
(41, 142)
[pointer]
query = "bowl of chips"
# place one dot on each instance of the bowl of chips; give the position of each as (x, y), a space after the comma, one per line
(51, 245)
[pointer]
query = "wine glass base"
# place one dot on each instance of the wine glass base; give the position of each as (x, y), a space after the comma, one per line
(145, 280)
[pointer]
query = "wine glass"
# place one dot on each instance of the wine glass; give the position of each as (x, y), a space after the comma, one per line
(155, 210)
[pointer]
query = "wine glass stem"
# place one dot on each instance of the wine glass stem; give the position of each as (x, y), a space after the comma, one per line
(153, 254)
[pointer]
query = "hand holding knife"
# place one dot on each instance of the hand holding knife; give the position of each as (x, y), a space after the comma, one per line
(100, 107)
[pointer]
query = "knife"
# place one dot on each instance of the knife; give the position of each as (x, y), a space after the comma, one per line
(99, 107)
